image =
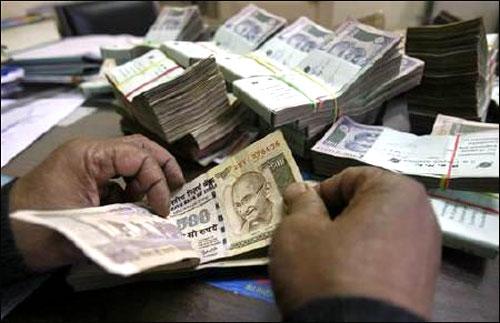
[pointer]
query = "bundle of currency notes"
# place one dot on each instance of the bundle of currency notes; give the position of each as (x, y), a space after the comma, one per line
(422, 120)
(352, 73)
(176, 23)
(123, 53)
(240, 34)
(172, 102)
(471, 218)
(248, 29)
(284, 50)
(448, 125)
(467, 161)
(229, 211)
(409, 76)
(173, 23)
(444, 18)
(456, 74)
(345, 66)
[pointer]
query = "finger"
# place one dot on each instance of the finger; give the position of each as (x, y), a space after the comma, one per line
(150, 181)
(339, 190)
(303, 200)
(130, 161)
(167, 162)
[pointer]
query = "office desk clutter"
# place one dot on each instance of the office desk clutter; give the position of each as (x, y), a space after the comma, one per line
(262, 90)
(69, 61)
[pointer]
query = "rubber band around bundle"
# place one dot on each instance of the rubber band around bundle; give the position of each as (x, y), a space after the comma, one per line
(445, 180)
(324, 87)
(263, 62)
(166, 72)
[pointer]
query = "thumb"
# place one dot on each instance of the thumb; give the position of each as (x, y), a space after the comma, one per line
(303, 199)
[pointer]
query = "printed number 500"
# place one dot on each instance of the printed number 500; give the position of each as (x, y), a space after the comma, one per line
(193, 219)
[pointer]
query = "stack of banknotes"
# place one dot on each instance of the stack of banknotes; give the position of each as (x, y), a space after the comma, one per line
(456, 78)
(462, 161)
(352, 72)
(175, 103)
(176, 23)
(240, 34)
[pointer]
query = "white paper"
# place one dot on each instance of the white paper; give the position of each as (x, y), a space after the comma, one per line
(21, 126)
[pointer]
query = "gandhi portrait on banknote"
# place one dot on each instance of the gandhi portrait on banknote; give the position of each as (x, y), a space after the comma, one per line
(251, 194)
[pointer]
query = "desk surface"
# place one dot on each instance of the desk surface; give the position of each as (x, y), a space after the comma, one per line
(467, 288)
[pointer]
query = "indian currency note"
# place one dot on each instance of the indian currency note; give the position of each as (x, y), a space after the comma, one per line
(230, 210)
(342, 58)
(469, 155)
(235, 207)
(283, 51)
(170, 23)
(248, 29)
(285, 97)
(143, 73)
(186, 53)
(468, 220)
(292, 44)
(448, 125)
(124, 239)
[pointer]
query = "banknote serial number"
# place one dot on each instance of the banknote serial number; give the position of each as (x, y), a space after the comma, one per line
(194, 219)
(258, 154)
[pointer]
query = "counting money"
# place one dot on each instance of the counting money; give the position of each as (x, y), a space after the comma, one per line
(232, 209)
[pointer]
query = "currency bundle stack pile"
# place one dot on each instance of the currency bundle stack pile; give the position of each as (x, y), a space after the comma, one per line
(172, 24)
(351, 73)
(240, 34)
(461, 160)
(284, 51)
(456, 72)
(176, 23)
(177, 104)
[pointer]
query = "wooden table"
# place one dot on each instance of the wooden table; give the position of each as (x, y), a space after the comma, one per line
(467, 288)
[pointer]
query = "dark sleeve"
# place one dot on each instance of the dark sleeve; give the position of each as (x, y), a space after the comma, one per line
(13, 266)
(348, 309)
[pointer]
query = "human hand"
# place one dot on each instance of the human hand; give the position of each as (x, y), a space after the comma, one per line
(383, 242)
(78, 175)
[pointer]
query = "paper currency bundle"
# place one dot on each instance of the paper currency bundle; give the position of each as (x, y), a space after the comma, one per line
(176, 23)
(173, 23)
(175, 103)
(456, 75)
(476, 229)
(466, 161)
(354, 62)
(229, 211)
(240, 34)
(351, 73)
(284, 51)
